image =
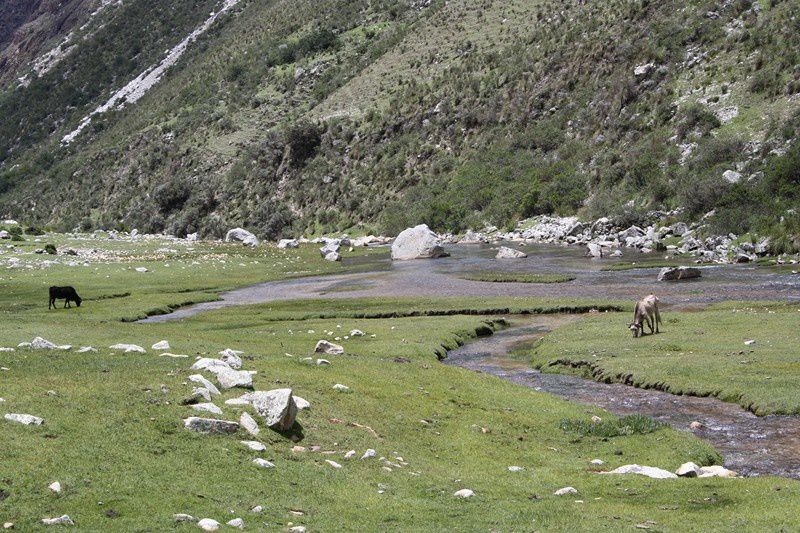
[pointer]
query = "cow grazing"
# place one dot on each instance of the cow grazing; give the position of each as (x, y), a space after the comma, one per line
(68, 294)
(646, 311)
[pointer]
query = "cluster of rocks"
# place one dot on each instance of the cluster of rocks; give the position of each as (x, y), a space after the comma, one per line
(685, 470)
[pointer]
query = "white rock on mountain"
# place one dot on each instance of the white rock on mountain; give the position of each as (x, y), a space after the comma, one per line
(254, 445)
(369, 453)
(509, 253)
(86, 349)
(161, 345)
(28, 420)
(229, 378)
(329, 348)
(356, 333)
(594, 250)
(183, 517)
(263, 463)
(210, 426)
(277, 407)
(341, 388)
(41, 344)
(678, 273)
(334, 464)
(207, 407)
(55, 486)
(4, 234)
(197, 378)
(688, 470)
(329, 248)
(128, 348)
(716, 471)
(288, 243)
(63, 520)
(418, 242)
(241, 235)
(208, 524)
(301, 403)
(471, 237)
(238, 523)
(333, 257)
(565, 490)
(249, 424)
(649, 471)
(464, 493)
(211, 365)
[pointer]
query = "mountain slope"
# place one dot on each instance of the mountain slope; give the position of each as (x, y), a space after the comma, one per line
(318, 116)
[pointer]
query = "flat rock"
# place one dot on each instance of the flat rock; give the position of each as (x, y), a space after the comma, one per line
(688, 470)
(277, 407)
(464, 493)
(41, 344)
(249, 424)
(237, 523)
(716, 471)
(649, 471)
(183, 517)
(212, 365)
(86, 349)
(210, 426)
(678, 273)
(418, 242)
(63, 520)
(254, 445)
(161, 345)
(509, 253)
(329, 348)
(28, 420)
(197, 378)
(263, 463)
(207, 407)
(565, 490)
(230, 378)
(208, 524)
(128, 348)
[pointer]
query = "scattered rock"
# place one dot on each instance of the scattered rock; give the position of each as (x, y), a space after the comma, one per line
(55, 486)
(63, 520)
(41, 344)
(241, 235)
(288, 243)
(207, 407)
(182, 517)
(210, 426)
(696, 425)
(333, 257)
(329, 348)
(231, 358)
(254, 445)
(515, 469)
(341, 388)
(418, 242)
(334, 464)
(28, 420)
(322, 362)
(731, 176)
(350, 454)
(263, 463)
(128, 348)
(208, 524)
(197, 378)
(649, 471)
(356, 333)
(277, 407)
(597, 462)
(509, 253)
(565, 490)
(369, 453)
(229, 378)
(161, 345)
(594, 250)
(464, 493)
(750, 342)
(301, 403)
(249, 424)
(716, 471)
(688, 470)
(141, 269)
(678, 273)
(86, 349)
(237, 523)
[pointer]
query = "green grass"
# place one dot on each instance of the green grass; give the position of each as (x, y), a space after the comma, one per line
(516, 277)
(697, 353)
(607, 429)
(660, 263)
(114, 438)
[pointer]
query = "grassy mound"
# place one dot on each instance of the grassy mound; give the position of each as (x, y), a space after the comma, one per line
(516, 277)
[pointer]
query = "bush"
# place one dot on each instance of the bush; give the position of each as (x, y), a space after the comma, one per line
(33, 230)
(50, 249)
(627, 425)
(303, 138)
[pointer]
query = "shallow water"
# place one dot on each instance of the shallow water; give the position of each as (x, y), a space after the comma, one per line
(751, 445)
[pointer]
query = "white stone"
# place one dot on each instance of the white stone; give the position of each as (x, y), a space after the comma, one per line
(249, 424)
(565, 490)
(277, 407)
(63, 520)
(207, 407)
(369, 453)
(333, 257)
(356, 333)
(716, 471)
(688, 470)
(141, 269)
(210, 425)
(597, 462)
(237, 523)
(288, 243)
(197, 378)
(329, 348)
(208, 524)
(212, 365)
(731, 176)
(41, 344)
(334, 464)
(161, 345)
(322, 362)
(301, 403)
(237, 402)
(649, 471)
(509, 253)
(128, 348)
(229, 378)
(515, 469)
(418, 242)
(231, 358)
(350, 454)
(28, 420)
(86, 349)
(173, 355)
(55, 486)
(183, 517)
(263, 463)
(341, 388)
(241, 235)
(464, 493)
(254, 445)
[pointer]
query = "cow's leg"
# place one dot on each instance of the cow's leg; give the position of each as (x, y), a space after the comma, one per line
(649, 324)
(50, 303)
(65, 303)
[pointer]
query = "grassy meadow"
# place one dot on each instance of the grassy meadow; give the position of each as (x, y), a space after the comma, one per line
(114, 438)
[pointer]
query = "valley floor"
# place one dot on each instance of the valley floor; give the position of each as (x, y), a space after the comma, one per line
(114, 436)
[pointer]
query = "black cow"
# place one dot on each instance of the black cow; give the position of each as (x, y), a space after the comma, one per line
(67, 294)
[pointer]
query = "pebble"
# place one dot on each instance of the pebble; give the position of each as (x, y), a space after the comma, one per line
(341, 388)
(55, 486)
(464, 493)
(254, 445)
(333, 463)
(263, 463)
(565, 490)
(237, 523)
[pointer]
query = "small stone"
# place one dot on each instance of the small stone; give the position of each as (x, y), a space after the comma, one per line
(64, 520)
(298, 449)
(648, 471)
(55, 486)
(356, 333)
(229, 378)
(369, 453)
(210, 426)
(41, 344)
(464, 493)
(277, 407)
(515, 469)
(208, 524)
(249, 424)
(231, 358)
(334, 464)
(161, 345)
(197, 378)
(341, 388)
(237, 523)
(716, 471)
(329, 348)
(565, 490)
(182, 517)
(254, 445)
(301, 403)
(696, 425)
(688, 470)
(322, 362)
(350, 454)
(597, 462)
(28, 420)
(207, 407)
(86, 349)
(141, 269)
(258, 509)
(596, 419)
(750, 342)
(298, 529)
(263, 463)
(128, 348)
(8, 525)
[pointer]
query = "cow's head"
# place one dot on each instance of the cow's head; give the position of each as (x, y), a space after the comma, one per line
(636, 329)
(78, 300)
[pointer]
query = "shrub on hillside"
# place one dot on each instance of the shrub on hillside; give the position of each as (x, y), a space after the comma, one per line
(303, 138)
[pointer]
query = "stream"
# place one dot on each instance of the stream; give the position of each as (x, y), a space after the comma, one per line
(751, 445)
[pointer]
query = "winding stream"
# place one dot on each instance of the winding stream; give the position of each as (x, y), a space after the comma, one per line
(751, 445)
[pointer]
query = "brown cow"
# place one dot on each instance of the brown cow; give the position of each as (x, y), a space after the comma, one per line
(646, 311)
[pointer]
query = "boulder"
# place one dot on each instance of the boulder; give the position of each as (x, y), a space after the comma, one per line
(716, 471)
(277, 407)
(249, 424)
(594, 250)
(41, 344)
(418, 242)
(333, 257)
(464, 493)
(28, 420)
(128, 348)
(241, 235)
(63, 520)
(678, 273)
(210, 426)
(288, 243)
(688, 470)
(509, 253)
(649, 471)
(231, 358)
(329, 348)
(356, 333)
(161, 345)
(329, 248)
(229, 378)
(208, 524)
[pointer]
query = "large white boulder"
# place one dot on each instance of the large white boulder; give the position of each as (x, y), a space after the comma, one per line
(678, 273)
(418, 242)
(509, 253)
(649, 471)
(329, 348)
(288, 243)
(277, 407)
(241, 235)
(28, 420)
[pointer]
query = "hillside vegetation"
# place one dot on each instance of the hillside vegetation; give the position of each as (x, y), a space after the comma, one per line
(289, 117)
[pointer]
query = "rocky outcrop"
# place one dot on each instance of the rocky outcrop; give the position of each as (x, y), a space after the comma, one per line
(241, 235)
(277, 407)
(418, 242)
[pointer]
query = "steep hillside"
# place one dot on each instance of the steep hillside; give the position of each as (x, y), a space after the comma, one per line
(303, 116)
